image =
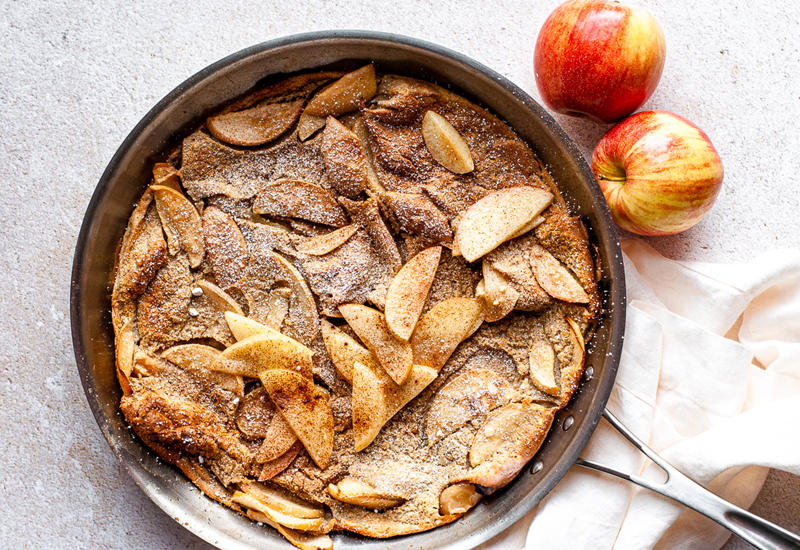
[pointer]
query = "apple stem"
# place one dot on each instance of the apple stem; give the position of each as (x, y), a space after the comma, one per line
(609, 178)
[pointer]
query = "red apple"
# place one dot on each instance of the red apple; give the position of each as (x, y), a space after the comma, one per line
(659, 173)
(599, 59)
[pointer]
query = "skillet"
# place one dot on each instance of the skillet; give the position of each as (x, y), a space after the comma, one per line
(180, 112)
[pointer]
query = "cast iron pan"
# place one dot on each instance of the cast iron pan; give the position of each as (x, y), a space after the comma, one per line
(183, 110)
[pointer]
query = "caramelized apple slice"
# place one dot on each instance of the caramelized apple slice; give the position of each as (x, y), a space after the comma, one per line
(225, 246)
(345, 165)
(199, 359)
(278, 303)
(221, 299)
(126, 346)
(303, 541)
(442, 329)
(306, 409)
(255, 126)
(409, 290)
(571, 372)
(282, 501)
(506, 442)
(165, 175)
(458, 499)
(181, 223)
(499, 297)
(398, 396)
(308, 125)
(344, 95)
(356, 492)
(273, 467)
(344, 351)
(292, 522)
(497, 217)
(278, 439)
(289, 198)
(303, 321)
(555, 278)
(393, 354)
(362, 132)
(324, 244)
(265, 351)
(543, 365)
(243, 327)
(573, 324)
(465, 398)
(445, 144)
(376, 399)
(368, 404)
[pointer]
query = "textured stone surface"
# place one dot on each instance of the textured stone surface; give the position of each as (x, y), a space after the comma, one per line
(77, 76)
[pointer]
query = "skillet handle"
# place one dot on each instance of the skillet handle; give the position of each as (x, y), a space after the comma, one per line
(760, 533)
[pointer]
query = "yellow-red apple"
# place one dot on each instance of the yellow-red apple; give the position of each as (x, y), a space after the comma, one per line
(659, 173)
(598, 59)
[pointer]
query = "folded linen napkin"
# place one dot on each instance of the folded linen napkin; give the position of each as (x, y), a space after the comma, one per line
(720, 404)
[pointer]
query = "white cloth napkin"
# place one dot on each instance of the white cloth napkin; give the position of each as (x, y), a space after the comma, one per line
(720, 410)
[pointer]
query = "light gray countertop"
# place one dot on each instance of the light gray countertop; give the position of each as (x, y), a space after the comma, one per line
(77, 76)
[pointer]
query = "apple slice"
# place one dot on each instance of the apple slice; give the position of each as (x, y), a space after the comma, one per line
(573, 324)
(458, 499)
(368, 404)
(292, 522)
(273, 467)
(393, 354)
(303, 321)
(445, 144)
(277, 441)
(328, 242)
(181, 222)
(243, 327)
(306, 409)
(542, 366)
(344, 160)
(498, 295)
(555, 278)
(345, 95)
(376, 399)
(303, 541)
(398, 397)
(356, 492)
(373, 183)
(255, 126)
(463, 399)
(282, 501)
(265, 351)
(199, 359)
(497, 217)
(221, 299)
(165, 175)
(225, 245)
(572, 372)
(278, 304)
(309, 124)
(126, 347)
(442, 329)
(533, 224)
(409, 290)
(288, 198)
(344, 351)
